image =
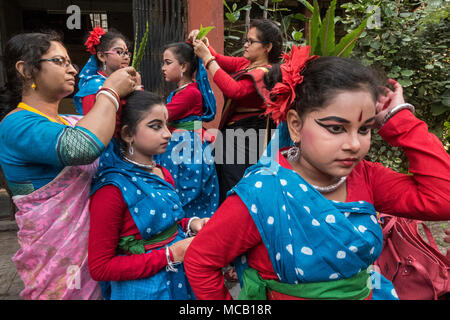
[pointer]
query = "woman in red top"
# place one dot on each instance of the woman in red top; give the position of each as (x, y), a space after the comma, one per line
(241, 81)
(290, 221)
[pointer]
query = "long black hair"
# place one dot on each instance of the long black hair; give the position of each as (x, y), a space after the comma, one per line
(28, 47)
(324, 78)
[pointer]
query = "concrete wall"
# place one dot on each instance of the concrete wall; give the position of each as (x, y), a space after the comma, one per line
(209, 13)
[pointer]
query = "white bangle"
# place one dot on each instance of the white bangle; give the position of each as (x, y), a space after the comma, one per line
(110, 96)
(170, 264)
(189, 232)
(396, 109)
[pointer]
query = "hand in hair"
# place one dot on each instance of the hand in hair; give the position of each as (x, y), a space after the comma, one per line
(389, 100)
(193, 36)
(201, 50)
(123, 81)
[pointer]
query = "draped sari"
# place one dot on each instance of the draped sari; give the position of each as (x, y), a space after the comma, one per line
(190, 156)
(155, 208)
(53, 233)
(313, 242)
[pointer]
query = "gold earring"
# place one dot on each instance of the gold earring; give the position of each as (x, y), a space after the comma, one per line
(33, 86)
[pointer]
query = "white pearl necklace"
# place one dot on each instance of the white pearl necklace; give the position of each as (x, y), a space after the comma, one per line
(141, 165)
(330, 188)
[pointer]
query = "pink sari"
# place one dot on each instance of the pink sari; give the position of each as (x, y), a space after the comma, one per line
(54, 229)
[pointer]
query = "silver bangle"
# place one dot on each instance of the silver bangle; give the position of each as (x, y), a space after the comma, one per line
(170, 265)
(110, 96)
(396, 109)
(189, 232)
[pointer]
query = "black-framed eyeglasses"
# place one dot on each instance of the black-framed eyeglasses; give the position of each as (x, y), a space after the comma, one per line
(121, 53)
(251, 41)
(62, 62)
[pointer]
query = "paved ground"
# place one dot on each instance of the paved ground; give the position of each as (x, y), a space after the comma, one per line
(10, 282)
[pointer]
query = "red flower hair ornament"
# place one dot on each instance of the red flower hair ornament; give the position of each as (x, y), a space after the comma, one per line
(94, 39)
(282, 94)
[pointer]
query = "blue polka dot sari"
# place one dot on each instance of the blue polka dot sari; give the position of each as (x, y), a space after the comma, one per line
(309, 238)
(90, 82)
(189, 157)
(155, 207)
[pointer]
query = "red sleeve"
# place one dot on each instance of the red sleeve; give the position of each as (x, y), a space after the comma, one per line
(107, 214)
(229, 233)
(425, 194)
(229, 64)
(88, 102)
(185, 103)
(233, 89)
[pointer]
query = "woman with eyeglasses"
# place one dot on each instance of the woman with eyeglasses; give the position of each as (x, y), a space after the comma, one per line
(109, 52)
(241, 81)
(49, 160)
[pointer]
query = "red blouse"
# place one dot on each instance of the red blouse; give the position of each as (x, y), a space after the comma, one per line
(243, 91)
(110, 220)
(187, 102)
(424, 195)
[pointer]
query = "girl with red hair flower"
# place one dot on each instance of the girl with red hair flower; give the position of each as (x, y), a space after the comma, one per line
(307, 215)
(109, 52)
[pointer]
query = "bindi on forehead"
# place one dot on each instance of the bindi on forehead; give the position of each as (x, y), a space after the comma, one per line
(360, 116)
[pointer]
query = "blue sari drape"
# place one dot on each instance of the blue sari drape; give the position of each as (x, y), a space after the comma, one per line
(190, 158)
(90, 82)
(308, 237)
(154, 206)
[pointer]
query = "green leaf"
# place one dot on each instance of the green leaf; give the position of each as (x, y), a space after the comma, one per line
(446, 98)
(300, 16)
(407, 73)
(233, 16)
(307, 5)
(204, 31)
(405, 82)
(438, 109)
(347, 43)
(327, 35)
(138, 57)
(226, 5)
(297, 35)
(314, 28)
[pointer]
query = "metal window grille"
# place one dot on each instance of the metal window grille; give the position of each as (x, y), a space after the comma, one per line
(166, 19)
(99, 19)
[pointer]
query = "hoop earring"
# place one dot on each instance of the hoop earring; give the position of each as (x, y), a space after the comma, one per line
(294, 152)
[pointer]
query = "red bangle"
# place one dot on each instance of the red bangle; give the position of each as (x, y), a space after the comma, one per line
(209, 61)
